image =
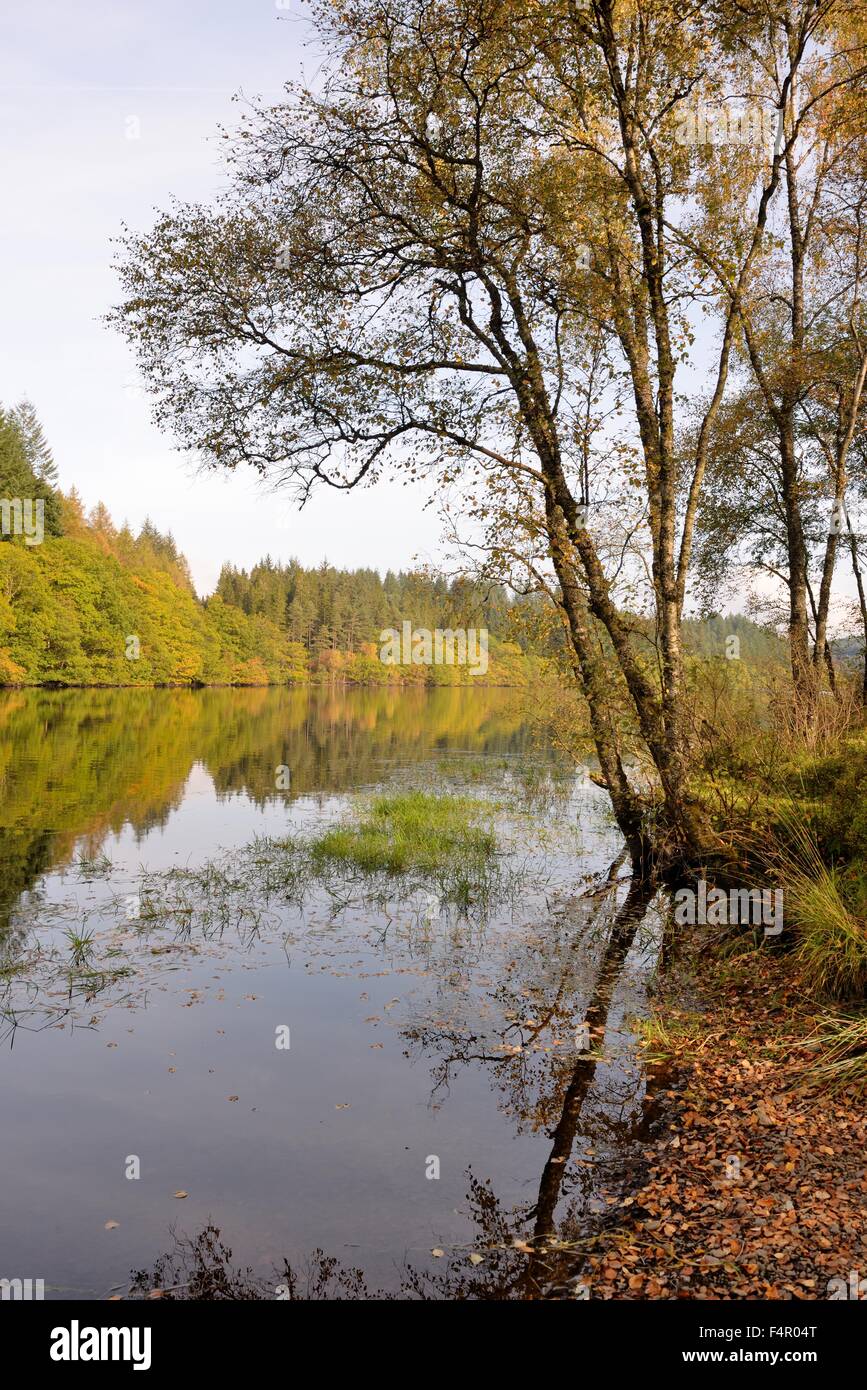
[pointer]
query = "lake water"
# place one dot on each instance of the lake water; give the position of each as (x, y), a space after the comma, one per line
(343, 1075)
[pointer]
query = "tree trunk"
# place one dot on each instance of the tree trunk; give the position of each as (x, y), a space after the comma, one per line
(799, 631)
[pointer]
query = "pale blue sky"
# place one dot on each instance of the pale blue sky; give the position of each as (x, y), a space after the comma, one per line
(71, 79)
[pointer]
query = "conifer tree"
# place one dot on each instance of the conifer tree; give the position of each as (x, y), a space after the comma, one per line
(37, 450)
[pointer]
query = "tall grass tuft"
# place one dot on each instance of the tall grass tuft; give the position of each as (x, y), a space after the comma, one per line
(825, 904)
(842, 1049)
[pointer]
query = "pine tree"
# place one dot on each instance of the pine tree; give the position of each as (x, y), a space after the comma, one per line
(18, 479)
(36, 446)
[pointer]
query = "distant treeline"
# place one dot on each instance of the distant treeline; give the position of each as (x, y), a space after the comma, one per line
(328, 609)
(91, 603)
(711, 637)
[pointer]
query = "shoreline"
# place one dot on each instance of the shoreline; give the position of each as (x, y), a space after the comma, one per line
(754, 1189)
(267, 685)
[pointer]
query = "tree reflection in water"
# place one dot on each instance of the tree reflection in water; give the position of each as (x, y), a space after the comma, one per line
(534, 1250)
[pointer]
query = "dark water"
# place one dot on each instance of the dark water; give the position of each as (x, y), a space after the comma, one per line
(141, 1003)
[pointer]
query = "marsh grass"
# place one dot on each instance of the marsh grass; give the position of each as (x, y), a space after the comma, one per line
(208, 901)
(826, 906)
(400, 844)
(46, 984)
(413, 831)
(93, 866)
(441, 850)
(841, 1044)
(430, 842)
(666, 1037)
(81, 944)
(832, 945)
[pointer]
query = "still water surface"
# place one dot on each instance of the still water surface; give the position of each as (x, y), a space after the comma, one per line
(141, 1003)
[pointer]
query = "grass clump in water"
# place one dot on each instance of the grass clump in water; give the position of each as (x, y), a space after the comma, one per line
(410, 832)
